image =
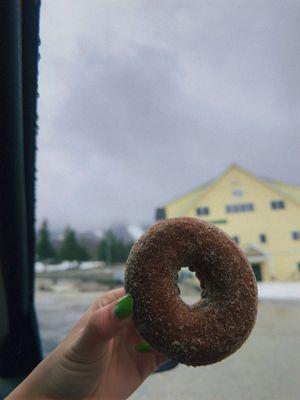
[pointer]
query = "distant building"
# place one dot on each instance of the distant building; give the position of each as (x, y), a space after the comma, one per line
(261, 215)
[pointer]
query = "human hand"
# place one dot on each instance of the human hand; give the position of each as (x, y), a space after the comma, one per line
(103, 357)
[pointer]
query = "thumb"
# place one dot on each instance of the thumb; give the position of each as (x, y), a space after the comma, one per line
(103, 325)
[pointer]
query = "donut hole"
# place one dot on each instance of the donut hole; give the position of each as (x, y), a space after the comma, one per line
(189, 289)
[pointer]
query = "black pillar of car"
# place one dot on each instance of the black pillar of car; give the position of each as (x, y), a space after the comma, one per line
(20, 347)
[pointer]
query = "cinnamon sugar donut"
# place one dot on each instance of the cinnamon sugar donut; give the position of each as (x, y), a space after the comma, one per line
(220, 322)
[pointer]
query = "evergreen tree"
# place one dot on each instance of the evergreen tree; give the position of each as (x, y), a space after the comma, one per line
(111, 249)
(44, 248)
(70, 249)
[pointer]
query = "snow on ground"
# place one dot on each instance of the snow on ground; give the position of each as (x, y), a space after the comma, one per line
(279, 290)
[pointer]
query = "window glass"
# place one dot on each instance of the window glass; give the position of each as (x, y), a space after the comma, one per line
(202, 211)
(146, 104)
(277, 204)
(236, 239)
(263, 238)
(236, 208)
(237, 192)
(296, 235)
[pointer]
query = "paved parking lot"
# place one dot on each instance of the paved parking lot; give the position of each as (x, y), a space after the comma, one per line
(267, 367)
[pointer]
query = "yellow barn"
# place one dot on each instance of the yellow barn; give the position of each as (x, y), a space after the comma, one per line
(261, 215)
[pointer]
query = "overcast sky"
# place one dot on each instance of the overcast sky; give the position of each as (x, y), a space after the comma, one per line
(141, 101)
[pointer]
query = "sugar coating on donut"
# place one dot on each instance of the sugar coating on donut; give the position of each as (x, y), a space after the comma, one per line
(220, 322)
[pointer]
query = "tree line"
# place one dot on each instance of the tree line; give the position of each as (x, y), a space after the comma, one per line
(110, 248)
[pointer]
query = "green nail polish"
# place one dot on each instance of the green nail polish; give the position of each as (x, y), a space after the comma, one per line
(143, 347)
(124, 307)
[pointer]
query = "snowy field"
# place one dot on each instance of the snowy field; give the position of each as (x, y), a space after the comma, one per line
(279, 290)
(265, 368)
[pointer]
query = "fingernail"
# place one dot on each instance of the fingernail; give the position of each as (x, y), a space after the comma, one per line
(124, 307)
(143, 347)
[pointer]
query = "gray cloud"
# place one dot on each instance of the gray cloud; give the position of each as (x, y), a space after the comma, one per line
(142, 101)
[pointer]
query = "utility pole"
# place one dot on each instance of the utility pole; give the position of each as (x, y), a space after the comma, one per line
(108, 249)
